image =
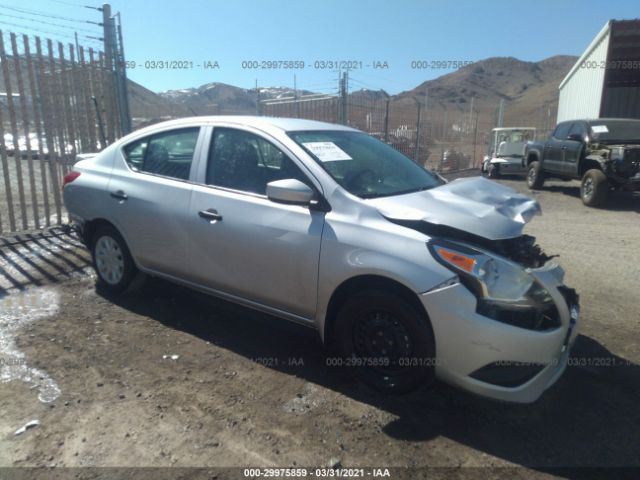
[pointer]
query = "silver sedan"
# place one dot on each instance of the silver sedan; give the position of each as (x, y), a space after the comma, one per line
(408, 277)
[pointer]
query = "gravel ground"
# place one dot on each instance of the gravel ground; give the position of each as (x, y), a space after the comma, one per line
(164, 376)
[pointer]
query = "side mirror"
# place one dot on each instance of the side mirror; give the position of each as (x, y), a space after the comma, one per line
(576, 137)
(290, 191)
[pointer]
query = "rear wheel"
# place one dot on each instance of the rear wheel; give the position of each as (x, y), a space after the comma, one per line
(112, 260)
(535, 176)
(385, 342)
(594, 188)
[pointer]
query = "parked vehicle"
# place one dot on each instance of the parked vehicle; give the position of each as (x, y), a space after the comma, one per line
(408, 277)
(505, 155)
(603, 153)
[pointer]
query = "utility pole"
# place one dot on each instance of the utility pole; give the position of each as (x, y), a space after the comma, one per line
(386, 122)
(123, 79)
(344, 86)
(257, 99)
(416, 150)
(295, 96)
(500, 113)
(475, 139)
(114, 54)
(443, 139)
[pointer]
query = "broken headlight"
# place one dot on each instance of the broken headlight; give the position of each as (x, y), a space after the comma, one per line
(505, 291)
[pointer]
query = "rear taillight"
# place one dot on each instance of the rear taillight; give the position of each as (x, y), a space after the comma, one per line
(69, 177)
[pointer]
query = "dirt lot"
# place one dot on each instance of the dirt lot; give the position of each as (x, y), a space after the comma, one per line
(244, 389)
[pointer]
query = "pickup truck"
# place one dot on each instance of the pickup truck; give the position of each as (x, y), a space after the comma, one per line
(604, 154)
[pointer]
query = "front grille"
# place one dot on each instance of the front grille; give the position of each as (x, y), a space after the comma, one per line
(529, 317)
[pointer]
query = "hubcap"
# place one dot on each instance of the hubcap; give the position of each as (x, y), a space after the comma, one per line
(532, 176)
(588, 188)
(380, 334)
(109, 260)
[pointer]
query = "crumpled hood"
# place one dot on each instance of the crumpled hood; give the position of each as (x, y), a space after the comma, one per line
(474, 205)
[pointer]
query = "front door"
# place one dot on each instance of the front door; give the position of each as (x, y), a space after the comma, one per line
(244, 244)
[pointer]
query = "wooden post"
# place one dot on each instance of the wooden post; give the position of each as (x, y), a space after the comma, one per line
(66, 105)
(25, 126)
(55, 128)
(44, 92)
(14, 132)
(37, 123)
(86, 73)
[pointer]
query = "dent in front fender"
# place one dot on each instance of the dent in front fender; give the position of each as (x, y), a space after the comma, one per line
(350, 249)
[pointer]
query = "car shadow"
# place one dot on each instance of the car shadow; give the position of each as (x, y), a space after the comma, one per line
(617, 201)
(589, 418)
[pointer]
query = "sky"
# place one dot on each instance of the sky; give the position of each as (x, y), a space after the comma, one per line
(389, 42)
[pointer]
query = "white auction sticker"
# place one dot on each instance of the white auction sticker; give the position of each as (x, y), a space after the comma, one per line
(327, 151)
(600, 129)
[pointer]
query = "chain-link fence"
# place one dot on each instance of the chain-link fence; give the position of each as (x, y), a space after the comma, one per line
(437, 140)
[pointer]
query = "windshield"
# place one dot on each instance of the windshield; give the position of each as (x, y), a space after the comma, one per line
(363, 165)
(608, 131)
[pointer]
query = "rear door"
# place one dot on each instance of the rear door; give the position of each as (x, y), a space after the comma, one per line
(240, 242)
(150, 192)
(554, 149)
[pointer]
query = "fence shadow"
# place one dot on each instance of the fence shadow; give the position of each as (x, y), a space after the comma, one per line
(39, 258)
(588, 419)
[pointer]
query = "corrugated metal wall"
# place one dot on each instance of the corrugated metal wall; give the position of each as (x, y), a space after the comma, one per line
(621, 102)
(580, 94)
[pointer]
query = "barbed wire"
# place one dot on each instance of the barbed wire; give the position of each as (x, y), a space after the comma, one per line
(41, 14)
(56, 35)
(76, 29)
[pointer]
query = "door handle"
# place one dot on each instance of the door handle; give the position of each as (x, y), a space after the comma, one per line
(119, 195)
(564, 147)
(210, 214)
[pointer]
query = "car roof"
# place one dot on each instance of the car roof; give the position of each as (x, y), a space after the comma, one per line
(263, 123)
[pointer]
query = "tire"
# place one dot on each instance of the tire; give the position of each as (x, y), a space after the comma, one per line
(535, 176)
(377, 316)
(594, 188)
(494, 171)
(111, 260)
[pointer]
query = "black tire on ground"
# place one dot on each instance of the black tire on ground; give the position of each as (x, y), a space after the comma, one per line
(594, 188)
(535, 176)
(111, 260)
(494, 171)
(384, 342)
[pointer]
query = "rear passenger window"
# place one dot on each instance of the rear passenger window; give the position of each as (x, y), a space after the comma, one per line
(169, 154)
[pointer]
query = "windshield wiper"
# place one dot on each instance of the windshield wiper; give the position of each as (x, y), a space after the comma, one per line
(391, 194)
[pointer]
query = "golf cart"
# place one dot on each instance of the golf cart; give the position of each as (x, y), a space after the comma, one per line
(505, 152)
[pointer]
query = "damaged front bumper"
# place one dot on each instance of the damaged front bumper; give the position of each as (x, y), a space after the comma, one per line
(495, 359)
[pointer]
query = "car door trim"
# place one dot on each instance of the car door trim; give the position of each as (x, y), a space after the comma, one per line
(292, 317)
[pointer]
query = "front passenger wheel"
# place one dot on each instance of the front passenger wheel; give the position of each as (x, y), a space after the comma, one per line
(112, 260)
(594, 188)
(385, 342)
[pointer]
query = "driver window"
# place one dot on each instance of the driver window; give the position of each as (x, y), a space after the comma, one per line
(578, 128)
(240, 160)
(562, 131)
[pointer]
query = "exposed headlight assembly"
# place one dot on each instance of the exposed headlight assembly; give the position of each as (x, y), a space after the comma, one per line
(505, 291)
